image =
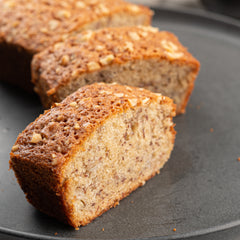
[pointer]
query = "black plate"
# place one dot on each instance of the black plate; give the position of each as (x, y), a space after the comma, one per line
(197, 191)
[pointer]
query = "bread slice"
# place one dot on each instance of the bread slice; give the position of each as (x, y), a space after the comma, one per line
(85, 154)
(28, 27)
(137, 56)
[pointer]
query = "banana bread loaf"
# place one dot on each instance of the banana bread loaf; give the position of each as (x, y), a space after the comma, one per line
(85, 154)
(29, 26)
(137, 56)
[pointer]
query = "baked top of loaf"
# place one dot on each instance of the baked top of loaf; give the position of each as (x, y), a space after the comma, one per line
(36, 24)
(90, 51)
(62, 130)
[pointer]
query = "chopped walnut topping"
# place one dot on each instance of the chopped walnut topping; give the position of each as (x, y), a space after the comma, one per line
(99, 48)
(58, 70)
(103, 9)
(145, 100)
(128, 88)
(159, 97)
(134, 36)
(15, 148)
(65, 60)
(66, 128)
(80, 4)
(73, 104)
(16, 23)
(87, 35)
(169, 46)
(119, 94)
(143, 183)
(107, 59)
(58, 45)
(143, 34)
(36, 137)
(76, 126)
(93, 66)
(133, 102)
(96, 106)
(60, 118)
(103, 91)
(44, 30)
(86, 124)
(75, 73)
(53, 24)
(9, 4)
(63, 14)
(81, 102)
(129, 46)
(174, 55)
(108, 36)
(149, 29)
(134, 8)
(51, 91)
(64, 4)
(64, 37)
(54, 159)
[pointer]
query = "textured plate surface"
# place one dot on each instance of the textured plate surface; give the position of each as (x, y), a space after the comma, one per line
(197, 191)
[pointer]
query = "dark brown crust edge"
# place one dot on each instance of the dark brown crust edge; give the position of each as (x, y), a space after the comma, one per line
(34, 180)
(15, 63)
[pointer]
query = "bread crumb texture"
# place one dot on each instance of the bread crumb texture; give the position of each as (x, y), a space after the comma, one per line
(35, 25)
(95, 148)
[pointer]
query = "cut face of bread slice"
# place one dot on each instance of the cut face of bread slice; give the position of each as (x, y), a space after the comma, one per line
(28, 27)
(84, 155)
(136, 56)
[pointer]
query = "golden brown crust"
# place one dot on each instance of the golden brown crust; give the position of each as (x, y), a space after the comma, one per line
(70, 122)
(90, 51)
(46, 145)
(35, 25)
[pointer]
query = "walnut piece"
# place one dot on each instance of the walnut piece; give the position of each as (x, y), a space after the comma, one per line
(133, 102)
(36, 137)
(15, 148)
(73, 104)
(93, 66)
(107, 59)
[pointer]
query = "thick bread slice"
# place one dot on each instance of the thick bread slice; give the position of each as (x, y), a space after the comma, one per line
(136, 56)
(85, 154)
(29, 26)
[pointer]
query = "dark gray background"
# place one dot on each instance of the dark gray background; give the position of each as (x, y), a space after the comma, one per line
(197, 191)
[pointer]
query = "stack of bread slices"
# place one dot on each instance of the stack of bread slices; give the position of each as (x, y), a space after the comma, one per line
(113, 83)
